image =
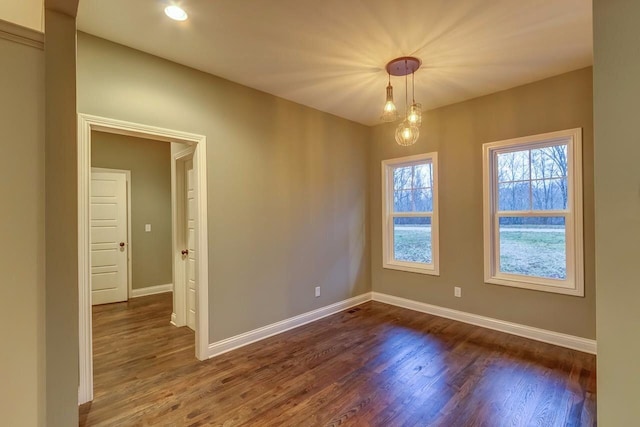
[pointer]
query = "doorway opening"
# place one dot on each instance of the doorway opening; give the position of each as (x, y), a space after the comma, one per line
(188, 234)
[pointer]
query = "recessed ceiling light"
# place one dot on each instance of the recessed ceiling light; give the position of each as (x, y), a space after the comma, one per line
(176, 13)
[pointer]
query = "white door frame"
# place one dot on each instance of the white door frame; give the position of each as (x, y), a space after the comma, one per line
(87, 124)
(127, 174)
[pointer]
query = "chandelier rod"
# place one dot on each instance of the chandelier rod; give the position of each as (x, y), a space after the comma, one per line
(406, 92)
(413, 87)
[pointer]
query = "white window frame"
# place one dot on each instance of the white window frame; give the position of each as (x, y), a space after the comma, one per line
(574, 282)
(388, 215)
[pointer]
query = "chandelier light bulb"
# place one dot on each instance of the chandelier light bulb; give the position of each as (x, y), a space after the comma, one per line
(406, 133)
(389, 107)
(389, 111)
(415, 115)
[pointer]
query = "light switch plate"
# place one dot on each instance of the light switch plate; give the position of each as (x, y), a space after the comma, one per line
(147, 227)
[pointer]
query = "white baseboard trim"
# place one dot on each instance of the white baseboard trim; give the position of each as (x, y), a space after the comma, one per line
(173, 319)
(550, 337)
(151, 290)
(226, 345)
(543, 335)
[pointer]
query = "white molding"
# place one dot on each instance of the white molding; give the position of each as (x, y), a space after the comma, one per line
(246, 338)
(543, 335)
(87, 124)
(85, 348)
(550, 337)
(173, 319)
(202, 263)
(19, 34)
(151, 290)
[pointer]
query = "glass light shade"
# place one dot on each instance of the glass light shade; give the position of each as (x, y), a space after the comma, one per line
(415, 115)
(389, 112)
(407, 133)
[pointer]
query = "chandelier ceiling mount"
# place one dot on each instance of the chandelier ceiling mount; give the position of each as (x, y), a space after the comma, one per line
(403, 66)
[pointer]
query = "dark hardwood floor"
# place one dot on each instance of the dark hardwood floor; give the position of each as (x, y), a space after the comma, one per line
(377, 365)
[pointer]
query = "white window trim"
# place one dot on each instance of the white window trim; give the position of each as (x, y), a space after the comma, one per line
(574, 284)
(387, 217)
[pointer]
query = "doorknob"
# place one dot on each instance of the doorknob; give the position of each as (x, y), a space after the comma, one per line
(122, 244)
(185, 252)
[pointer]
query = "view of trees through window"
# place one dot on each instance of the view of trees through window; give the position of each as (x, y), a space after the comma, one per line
(413, 193)
(529, 182)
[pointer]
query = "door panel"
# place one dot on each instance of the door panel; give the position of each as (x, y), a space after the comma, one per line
(105, 259)
(102, 234)
(103, 188)
(108, 229)
(190, 233)
(103, 282)
(102, 211)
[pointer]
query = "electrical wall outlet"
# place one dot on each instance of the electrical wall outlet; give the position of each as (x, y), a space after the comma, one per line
(457, 292)
(317, 291)
(147, 227)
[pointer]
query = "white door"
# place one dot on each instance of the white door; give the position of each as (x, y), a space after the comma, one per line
(109, 248)
(190, 234)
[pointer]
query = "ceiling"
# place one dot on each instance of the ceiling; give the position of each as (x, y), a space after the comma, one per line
(331, 54)
(27, 13)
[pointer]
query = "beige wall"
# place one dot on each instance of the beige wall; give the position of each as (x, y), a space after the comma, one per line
(457, 133)
(150, 165)
(61, 216)
(617, 149)
(22, 235)
(287, 184)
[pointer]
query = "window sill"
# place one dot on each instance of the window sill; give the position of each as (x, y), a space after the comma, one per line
(412, 268)
(568, 289)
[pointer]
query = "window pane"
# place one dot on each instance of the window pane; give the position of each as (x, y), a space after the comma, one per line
(413, 200)
(514, 196)
(549, 162)
(402, 178)
(423, 200)
(513, 166)
(423, 177)
(549, 194)
(402, 200)
(412, 239)
(533, 246)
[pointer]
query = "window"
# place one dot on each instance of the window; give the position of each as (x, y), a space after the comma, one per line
(410, 213)
(533, 212)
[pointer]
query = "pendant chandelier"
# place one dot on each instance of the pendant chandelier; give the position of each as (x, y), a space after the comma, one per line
(408, 130)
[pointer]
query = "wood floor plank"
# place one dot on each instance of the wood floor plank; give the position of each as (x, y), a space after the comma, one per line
(377, 365)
